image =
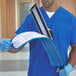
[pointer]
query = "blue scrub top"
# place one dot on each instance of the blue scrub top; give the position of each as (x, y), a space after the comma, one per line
(63, 26)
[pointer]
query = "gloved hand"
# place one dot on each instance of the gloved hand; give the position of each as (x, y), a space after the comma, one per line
(66, 71)
(5, 44)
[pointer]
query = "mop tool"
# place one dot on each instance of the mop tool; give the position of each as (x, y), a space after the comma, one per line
(53, 52)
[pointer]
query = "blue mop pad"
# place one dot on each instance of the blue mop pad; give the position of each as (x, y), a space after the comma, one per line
(54, 54)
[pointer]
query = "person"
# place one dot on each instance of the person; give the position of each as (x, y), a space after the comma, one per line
(63, 25)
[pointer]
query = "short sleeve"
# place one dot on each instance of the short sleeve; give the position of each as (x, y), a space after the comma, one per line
(73, 33)
(25, 26)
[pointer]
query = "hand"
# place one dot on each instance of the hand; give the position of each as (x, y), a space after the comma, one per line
(66, 71)
(5, 44)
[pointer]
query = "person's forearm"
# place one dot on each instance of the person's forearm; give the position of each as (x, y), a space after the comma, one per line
(72, 56)
(12, 50)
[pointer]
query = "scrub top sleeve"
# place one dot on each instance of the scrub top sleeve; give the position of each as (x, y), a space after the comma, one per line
(25, 26)
(73, 33)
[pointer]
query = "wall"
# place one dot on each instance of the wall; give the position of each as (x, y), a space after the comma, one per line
(0, 18)
(7, 18)
(10, 17)
(3, 19)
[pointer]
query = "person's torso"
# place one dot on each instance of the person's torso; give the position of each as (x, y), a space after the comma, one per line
(61, 28)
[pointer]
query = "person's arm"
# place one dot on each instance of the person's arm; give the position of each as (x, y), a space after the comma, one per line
(72, 61)
(6, 45)
(12, 50)
(72, 56)
(25, 26)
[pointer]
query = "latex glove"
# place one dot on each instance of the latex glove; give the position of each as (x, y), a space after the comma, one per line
(5, 44)
(66, 71)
